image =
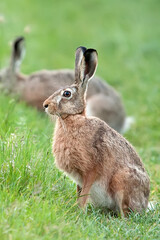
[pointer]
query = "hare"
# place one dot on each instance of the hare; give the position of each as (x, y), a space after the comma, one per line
(102, 100)
(104, 165)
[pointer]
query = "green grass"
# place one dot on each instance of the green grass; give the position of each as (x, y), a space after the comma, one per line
(36, 200)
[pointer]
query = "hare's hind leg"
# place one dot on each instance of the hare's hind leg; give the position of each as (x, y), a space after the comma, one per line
(131, 191)
(119, 189)
(122, 204)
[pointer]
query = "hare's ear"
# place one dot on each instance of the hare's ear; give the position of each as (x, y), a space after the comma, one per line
(18, 52)
(78, 62)
(86, 63)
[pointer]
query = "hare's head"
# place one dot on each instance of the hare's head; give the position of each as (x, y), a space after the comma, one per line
(7, 74)
(71, 100)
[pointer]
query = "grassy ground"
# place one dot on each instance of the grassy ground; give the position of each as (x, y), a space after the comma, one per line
(36, 201)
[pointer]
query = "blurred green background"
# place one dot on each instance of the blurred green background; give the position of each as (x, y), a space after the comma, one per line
(126, 35)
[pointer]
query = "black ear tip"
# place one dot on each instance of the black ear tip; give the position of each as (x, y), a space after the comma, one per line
(91, 50)
(90, 54)
(81, 48)
(17, 42)
(19, 39)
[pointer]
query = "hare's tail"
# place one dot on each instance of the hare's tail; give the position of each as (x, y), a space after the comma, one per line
(127, 124)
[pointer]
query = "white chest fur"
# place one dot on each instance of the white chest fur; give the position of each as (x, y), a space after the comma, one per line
(98, 195)
(75, 177)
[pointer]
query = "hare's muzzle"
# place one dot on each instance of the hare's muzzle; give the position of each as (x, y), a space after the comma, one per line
(50, 106)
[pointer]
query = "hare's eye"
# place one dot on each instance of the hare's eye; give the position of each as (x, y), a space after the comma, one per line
(67, 94)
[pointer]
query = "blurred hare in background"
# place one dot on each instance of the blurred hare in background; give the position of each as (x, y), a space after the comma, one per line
(102, 100)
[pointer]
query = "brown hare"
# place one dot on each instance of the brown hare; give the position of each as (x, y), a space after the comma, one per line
(104, 165)
(102, 100)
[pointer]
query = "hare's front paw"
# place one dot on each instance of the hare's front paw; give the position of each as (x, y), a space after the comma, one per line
(82, 201)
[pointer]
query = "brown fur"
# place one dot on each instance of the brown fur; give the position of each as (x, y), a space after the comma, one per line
(105, 166)
(35, 88)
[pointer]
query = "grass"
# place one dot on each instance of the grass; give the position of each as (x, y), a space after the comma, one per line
(36, 200)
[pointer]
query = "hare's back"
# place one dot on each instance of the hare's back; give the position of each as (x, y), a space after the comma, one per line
(38, 86)
(53, 80)
(110, 144)
(97, 85)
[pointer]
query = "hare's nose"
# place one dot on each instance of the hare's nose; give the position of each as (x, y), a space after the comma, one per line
(46, 104)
